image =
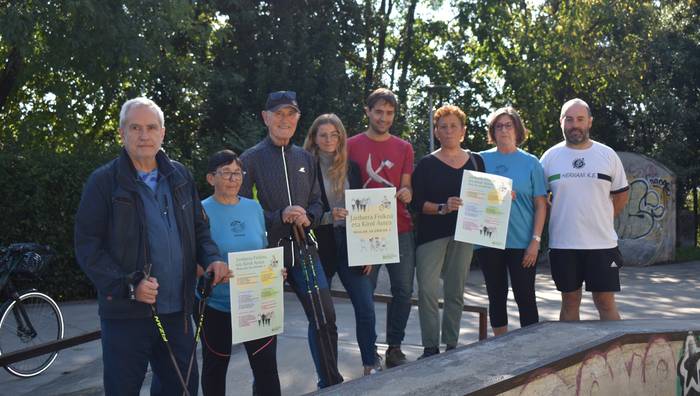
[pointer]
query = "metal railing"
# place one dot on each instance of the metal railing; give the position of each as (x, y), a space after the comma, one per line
(48, 347)
(65, 343)
(385, 298)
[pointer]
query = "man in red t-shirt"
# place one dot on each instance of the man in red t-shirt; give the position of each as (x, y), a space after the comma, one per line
(387, 161)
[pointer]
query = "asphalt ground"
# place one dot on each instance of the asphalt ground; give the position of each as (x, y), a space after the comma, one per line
(661, 292)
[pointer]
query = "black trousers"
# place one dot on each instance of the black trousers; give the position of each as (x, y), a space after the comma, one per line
(216, 352)
(496, 264)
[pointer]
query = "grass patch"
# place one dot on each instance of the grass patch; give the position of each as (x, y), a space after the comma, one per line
(687, 253)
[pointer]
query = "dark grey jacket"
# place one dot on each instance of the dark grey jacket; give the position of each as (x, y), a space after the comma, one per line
(110, 235)
(264, 168)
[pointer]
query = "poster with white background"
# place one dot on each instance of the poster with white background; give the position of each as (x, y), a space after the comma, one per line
(372, 233)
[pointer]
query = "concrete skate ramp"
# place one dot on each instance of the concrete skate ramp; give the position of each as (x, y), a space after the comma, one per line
(631, 357)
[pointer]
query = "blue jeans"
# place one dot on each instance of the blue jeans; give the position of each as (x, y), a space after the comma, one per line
(360, 289)
(129, 345)
(401, 278)
(326, 365)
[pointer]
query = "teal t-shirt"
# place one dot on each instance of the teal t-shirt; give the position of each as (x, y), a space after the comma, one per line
(234, 228)
(528, 182)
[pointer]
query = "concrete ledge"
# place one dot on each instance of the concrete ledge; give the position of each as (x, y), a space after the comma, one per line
(521, 357)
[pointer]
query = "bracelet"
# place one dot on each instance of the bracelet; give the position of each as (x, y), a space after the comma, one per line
(537, 238)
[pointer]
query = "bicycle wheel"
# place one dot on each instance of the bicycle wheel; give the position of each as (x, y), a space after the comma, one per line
(43, 323)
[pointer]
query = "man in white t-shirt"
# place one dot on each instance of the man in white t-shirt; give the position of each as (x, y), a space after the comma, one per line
(589, 188)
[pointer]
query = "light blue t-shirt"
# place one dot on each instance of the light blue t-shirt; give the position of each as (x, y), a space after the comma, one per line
(528, 182)
(150, 178)
(234, 228)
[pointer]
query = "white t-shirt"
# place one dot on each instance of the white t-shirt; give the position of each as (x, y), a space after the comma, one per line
(581, 181)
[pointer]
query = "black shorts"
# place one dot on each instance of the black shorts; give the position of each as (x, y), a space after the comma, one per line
(599, 268)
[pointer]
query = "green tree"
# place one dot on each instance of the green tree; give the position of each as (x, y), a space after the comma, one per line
(65, 68)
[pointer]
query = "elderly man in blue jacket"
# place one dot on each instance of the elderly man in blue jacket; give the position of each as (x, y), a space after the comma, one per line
(140, 233)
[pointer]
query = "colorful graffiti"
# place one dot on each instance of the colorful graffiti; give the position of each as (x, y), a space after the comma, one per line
(658, 367)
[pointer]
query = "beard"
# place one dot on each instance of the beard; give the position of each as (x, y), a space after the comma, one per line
(576, 135)
(380, 130)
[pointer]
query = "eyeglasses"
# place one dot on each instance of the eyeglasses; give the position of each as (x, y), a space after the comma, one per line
(329, 136)
(230, 175)
(505, 125)
(291, 95)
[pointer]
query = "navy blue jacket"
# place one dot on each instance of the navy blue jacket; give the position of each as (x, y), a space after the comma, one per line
(110, 235)
(264, 165)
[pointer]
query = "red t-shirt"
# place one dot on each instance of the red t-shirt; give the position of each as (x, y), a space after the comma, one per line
(389, 159)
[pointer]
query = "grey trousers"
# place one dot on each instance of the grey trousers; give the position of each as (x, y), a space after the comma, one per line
(450, 259)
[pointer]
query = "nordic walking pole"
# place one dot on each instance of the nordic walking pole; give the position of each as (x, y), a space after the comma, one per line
(306, 278)
(164, 337)
(312, 281)
(205, 291)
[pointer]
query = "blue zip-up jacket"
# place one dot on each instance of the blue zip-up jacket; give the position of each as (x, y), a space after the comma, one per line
(110, 235)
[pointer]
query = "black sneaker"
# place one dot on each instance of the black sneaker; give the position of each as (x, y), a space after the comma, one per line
(428, 352)
(450, 347)
(394, 357)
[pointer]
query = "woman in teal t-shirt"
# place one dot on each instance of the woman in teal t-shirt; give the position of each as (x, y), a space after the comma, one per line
(527, 215)
(237, 224)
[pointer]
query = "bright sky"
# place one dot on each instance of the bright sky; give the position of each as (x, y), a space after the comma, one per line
(443, 13)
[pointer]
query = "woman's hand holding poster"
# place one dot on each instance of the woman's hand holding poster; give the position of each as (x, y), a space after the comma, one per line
(257, 299)
(483, 217)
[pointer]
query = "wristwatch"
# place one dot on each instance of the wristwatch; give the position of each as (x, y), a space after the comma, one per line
(537, 238)
(442, 209)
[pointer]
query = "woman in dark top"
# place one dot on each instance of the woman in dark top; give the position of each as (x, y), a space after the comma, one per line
(326, 141)
(436, 189)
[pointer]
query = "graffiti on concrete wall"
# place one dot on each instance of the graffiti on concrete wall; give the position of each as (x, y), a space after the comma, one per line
(647, 226)
(689, 367)
(647, 205)
(659, 367)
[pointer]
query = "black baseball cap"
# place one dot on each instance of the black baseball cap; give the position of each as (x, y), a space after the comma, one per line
(279, 99)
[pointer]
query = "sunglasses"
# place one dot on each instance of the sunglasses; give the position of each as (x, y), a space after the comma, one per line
(291, 95)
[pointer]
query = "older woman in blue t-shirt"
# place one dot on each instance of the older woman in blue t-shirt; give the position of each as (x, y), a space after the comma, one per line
(527, 215)
(237, 224)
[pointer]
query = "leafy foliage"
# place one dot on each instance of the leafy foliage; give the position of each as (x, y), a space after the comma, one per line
(66, 67)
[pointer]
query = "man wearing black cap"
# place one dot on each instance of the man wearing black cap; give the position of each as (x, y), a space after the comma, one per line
(284, 176)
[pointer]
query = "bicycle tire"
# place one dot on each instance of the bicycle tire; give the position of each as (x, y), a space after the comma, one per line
(47, 321)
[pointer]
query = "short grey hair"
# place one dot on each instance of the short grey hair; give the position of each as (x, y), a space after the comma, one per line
(138, 102)
(572, 102)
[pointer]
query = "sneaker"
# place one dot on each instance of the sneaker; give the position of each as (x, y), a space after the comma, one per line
(394, 356)
(450, 347)
(428, 352)
(374, 369)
